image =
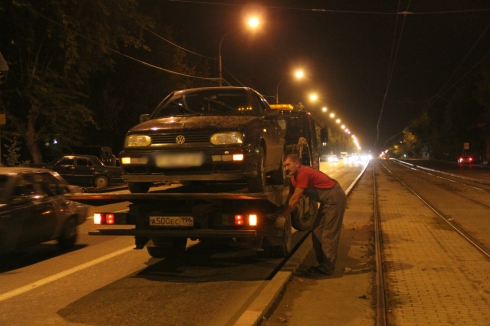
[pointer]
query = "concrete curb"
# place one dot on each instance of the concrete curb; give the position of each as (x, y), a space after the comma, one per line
(267, 297)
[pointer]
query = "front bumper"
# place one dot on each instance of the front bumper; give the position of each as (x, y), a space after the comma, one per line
(210, 170)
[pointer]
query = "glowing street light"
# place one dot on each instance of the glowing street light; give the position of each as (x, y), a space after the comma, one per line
(252, 23)
(332, 115)
(313, 97)
(324, 109)
(338, 120)
(298, 74)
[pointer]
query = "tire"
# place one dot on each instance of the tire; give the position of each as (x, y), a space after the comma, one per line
(173, 247)
(304, 215)
(257, 183)
(101, 181)
(139, 187)
(278, 246)
(278, 177)
(68, 236)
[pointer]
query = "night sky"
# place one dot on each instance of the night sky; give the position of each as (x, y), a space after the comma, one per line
(360, 57)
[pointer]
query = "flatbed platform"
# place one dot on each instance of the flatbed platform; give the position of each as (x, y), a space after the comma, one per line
(274, 194)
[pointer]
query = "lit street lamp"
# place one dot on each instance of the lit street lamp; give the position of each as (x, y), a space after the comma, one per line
(299, 74)
(252, 23)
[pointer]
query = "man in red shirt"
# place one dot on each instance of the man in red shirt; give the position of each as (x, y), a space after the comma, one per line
(328, 223)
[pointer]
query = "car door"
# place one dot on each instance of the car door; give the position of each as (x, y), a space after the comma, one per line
(83, 171)
(34, 208)
(66, 168)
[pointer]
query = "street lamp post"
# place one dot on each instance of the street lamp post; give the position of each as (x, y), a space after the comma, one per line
(220, 66)
(252, 23)
(299, 74)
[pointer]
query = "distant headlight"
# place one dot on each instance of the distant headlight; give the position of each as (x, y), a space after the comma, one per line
(137, 141)
(225, 138)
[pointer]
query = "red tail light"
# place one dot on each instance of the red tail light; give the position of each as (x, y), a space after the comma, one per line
(239, 219)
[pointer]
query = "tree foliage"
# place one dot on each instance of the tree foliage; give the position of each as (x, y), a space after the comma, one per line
(53, 49)
(461, 116)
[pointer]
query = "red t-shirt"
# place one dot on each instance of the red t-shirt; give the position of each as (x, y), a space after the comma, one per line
(307, 177)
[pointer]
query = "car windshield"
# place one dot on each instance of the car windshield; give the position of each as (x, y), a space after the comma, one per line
(205, 102)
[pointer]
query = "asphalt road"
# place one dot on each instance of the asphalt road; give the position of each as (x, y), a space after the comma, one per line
(103, 281)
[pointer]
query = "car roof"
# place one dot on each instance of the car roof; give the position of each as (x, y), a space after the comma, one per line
(216, 88)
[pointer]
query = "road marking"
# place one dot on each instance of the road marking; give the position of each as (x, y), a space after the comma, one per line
(55, 277)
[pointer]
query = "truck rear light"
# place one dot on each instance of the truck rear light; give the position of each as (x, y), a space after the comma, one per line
(97, 218)
(237, 157)
(251, 219)
(239, 219)
(109, 218)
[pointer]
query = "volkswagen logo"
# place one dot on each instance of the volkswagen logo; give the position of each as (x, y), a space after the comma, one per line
(180, 139)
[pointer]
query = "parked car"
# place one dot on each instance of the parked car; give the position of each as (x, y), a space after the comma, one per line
(206, 134)
(33, 209)
(466, 159)
(85, 170)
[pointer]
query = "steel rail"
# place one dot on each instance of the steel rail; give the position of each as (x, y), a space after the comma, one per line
(380, 285)
(485, 251)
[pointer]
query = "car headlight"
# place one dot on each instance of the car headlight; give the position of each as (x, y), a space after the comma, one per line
(137, 141)
(224, 138)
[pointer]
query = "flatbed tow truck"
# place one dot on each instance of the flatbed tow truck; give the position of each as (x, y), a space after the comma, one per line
(163, 220)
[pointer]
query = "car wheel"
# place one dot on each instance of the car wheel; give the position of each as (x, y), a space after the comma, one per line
(278, 177)
(101, 181)
(278, 245)
(257, 183)
(287, 243)
(68, 235)
(139, 187)
(174, 247)
(304, 215)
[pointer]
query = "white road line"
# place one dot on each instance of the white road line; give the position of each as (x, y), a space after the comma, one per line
(55, 277)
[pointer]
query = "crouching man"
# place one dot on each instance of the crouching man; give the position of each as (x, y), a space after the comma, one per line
(328, 223)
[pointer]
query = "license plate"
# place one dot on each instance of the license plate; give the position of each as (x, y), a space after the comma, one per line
(174, 221)
(180, 160)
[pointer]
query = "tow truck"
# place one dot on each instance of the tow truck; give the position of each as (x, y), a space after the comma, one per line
(163, 220)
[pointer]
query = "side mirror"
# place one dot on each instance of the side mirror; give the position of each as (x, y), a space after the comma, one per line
(144, 117)
(271, 114)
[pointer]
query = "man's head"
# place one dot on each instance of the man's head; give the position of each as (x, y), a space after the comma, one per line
(291, 164)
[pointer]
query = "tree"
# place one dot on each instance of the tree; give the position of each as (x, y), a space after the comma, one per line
(54, 48)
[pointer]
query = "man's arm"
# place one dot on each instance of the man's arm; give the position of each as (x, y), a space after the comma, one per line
(293, 201)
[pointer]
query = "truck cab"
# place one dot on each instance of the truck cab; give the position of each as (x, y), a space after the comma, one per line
(304, 135)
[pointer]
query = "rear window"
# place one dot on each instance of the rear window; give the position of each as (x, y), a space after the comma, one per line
(205, 102)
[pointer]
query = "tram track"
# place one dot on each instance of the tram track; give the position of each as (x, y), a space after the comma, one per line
(417, 185)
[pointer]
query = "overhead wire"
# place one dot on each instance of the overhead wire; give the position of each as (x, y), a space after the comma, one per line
(442, 91)
(118, 52)
(393, 56)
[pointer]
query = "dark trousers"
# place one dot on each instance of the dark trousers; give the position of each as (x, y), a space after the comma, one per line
(327, 226)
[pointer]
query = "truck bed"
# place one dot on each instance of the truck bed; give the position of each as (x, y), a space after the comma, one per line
(276, 195)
